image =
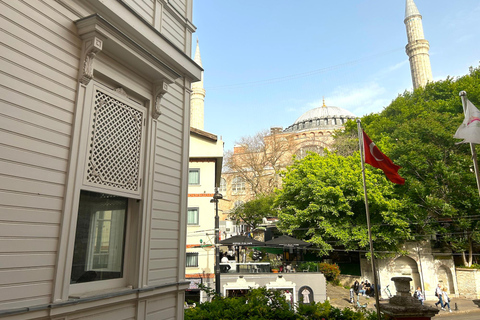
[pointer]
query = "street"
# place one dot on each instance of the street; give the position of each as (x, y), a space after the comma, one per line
(458, 316)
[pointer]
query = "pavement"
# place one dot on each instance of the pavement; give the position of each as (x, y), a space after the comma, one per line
(340, 297)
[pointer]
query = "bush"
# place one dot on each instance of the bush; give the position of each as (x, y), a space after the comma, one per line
(262, 304)
(330, 271)
(309, 266)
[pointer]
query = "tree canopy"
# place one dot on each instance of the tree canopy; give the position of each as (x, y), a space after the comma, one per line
(322, 199)
(252, 212)
(417, 129)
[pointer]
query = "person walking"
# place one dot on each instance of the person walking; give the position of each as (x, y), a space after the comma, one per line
(438, 294)
(446, 300)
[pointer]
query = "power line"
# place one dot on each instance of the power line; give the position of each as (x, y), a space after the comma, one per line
(304, 74)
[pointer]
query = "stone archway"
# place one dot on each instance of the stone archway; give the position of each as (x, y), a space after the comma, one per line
(407, 267)
(445, 278)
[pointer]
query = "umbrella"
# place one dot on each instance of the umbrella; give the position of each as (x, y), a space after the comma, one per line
(286, 241)
(243, 241)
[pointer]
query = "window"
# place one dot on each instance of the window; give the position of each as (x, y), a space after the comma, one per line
(238, 185)
(194, 176)
(99, 238)
(192, 259)
(192, 216)
(223, 185)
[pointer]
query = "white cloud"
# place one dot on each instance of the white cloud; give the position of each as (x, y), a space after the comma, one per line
(360, 100)
(466, 38)
(394, 67)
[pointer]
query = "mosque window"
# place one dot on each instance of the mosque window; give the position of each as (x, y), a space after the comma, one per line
(223, 185)
(238, 185)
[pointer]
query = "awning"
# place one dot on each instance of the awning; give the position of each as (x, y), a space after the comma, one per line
(286, 241)
(243, 241)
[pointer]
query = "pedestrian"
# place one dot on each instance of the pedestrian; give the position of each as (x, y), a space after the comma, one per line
(419, 295)
(438, 294)
(288, 298)
(354, 290)
(446, 300)
(356, 286)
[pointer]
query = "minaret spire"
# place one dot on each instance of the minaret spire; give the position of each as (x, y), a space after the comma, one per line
(197, 99)
(417, 47)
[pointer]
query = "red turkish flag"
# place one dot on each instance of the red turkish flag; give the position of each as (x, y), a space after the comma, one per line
(375, 158)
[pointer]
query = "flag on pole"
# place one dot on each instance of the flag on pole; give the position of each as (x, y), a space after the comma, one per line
(469, 130)
(375, 158)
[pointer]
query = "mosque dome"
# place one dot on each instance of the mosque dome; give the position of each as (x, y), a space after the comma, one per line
(324, 117)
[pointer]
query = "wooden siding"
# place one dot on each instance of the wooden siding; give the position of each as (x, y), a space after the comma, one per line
(173, 29)
(38, 82)
(124, 311)
(144, 8)
(162, 308)
(163, 266)
(173, 25)
(39, 67)
(180, 6)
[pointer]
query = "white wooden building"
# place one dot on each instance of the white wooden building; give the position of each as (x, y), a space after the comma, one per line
(94, 143)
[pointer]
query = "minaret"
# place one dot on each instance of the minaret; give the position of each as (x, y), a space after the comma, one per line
(197, 100)
(417, 47)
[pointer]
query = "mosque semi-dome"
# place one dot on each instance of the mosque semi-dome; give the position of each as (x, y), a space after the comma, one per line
(324, 117)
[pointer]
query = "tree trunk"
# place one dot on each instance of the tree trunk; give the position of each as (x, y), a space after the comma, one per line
(464, 258)
(470, 251)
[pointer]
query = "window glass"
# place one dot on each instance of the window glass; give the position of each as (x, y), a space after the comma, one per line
(194, 176)
(192, 216)
(99, 238)
(192, 259)
(238, 185)
(223, 185)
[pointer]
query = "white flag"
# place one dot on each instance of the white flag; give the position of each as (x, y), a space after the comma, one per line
(469, 130)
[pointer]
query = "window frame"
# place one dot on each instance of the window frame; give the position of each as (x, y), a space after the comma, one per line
(197, 209)
(235, 189)
(191, 170)
(223, 185)
(135, 209)
(191, 254)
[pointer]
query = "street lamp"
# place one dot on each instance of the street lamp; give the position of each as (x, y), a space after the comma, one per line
(217, 196)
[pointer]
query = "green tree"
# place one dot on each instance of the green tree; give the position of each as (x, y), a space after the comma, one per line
(416, 131)
(252, 212)
(322, 201)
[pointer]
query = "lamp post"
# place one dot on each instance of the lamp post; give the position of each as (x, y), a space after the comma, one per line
(217, 196)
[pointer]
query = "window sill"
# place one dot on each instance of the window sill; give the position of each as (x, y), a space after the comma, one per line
(102, 293)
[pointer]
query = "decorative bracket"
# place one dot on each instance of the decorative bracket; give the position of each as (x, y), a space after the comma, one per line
(92, 46)
(160, 89)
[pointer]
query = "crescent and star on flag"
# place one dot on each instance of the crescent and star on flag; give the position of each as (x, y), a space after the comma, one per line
(372, 146)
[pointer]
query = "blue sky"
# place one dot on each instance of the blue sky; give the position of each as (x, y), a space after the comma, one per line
(268, 61)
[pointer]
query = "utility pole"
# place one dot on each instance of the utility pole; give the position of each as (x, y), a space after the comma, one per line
(217, 196)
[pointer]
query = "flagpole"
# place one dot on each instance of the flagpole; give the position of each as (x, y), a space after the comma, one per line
(375, 278)
(463, 96)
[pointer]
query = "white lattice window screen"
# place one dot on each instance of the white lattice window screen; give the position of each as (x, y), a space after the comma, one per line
(114, 155)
